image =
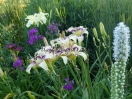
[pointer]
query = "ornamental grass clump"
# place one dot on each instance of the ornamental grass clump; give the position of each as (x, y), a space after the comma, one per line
(121, 48)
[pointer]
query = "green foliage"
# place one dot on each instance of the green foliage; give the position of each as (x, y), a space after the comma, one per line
(92, 78)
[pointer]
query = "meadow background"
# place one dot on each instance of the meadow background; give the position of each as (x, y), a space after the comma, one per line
(18, 84)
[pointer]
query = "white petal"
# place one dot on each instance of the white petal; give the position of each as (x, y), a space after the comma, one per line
(76, 46)
(65, 43)
(55, 41)
(49, 55)
(48, 47)
(43, 19)
(85, 32)
(38, 60)
(29, 23)
(29, 68)
(65, 59)
(80, 38)
(39, 52)
(44, 65)
(52, 42)
(83, 55)
(73, 37)
(70, 29)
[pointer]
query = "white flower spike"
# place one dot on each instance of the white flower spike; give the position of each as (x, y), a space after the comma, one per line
(121, 53)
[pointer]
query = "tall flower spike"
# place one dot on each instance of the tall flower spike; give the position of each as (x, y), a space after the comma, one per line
(121, 42)
(121, 47)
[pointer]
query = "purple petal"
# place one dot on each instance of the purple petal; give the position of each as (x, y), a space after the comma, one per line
(17, 63)
(67, 79)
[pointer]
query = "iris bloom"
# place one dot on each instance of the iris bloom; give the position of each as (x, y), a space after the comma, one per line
(69, 46)
(38, 60)
(42, 17)
(64, 47)
(78, 30)
(18, 63)
(31, 20)
(45, 58)
(36, 19)
(69, 84)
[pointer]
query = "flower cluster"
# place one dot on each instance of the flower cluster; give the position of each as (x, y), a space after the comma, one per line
(121, 42)
(34, 36)
(78, 30)
(65, 47)
(69, 84)
(13, 47)
(18, 63)
(36, 19)
(53, 28)
(121, 53)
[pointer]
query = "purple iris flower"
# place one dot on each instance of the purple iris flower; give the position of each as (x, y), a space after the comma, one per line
(18, 48)
(18, 63)
(53, 28)
(32, 32)
(69, 84)
(41, 37)
(30, 41)
(13, 47)
(34, 36)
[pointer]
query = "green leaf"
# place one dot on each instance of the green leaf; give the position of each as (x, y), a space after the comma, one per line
(106, 89)
(85, 94)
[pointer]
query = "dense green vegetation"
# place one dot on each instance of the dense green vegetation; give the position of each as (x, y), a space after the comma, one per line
(92, 77)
